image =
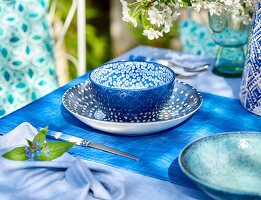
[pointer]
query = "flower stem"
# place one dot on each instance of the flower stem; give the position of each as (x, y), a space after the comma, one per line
(149, 3)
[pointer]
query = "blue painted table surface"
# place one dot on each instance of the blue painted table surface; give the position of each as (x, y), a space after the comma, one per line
(158, 152)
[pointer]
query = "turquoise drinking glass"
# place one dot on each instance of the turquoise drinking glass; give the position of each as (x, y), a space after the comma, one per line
(231, 34)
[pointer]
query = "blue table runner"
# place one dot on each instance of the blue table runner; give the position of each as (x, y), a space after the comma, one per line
(158, 152)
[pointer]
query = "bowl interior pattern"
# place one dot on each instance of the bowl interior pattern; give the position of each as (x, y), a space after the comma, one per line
(131, 75)
(184, 101)
(228, 162)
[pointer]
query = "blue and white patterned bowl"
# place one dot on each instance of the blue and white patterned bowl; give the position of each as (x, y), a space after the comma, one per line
(225, 166)
(130, 89)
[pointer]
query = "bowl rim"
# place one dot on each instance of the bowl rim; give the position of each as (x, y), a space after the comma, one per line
(213, 186)
(125, 89)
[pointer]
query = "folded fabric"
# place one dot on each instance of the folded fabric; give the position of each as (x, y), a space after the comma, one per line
(66, 177)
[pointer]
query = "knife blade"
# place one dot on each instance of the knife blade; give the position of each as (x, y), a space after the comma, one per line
(86, 143)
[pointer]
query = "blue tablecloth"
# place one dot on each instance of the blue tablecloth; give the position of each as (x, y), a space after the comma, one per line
(158, 152)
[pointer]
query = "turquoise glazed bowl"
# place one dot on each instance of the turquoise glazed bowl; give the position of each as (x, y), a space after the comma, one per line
(131, 90)
(225, 166)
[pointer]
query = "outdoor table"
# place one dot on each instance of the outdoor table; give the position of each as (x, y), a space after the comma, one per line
(157, 175)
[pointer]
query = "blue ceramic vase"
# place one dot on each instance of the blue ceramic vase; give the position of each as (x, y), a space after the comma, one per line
(250, 91)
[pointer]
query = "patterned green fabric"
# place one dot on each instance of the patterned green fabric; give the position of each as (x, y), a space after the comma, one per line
(27, 64)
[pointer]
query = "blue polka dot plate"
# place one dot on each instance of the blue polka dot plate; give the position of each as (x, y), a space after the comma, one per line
(184, 101)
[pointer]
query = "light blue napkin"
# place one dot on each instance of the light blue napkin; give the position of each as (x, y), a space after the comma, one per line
(66, 177)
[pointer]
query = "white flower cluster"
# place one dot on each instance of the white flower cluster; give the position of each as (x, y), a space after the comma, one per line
(157, 17)
(162, 20)
(240, 8)
(160, 16)
(126, 14)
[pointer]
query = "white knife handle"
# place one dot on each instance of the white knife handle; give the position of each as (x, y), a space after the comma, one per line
(64, 137)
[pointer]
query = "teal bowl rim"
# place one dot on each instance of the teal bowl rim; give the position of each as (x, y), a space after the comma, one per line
(211, 185)
(171, 81)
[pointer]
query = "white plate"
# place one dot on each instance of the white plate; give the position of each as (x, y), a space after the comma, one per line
(184, 101)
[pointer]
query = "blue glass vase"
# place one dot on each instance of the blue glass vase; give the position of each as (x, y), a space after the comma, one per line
(250, 90)
(229, 32)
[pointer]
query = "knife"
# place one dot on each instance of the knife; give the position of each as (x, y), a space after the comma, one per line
(85, 143)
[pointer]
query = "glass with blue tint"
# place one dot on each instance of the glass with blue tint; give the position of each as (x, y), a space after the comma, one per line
(231, 34)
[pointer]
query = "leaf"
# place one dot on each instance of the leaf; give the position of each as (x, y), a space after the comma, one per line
(130, 24)
(186, 3)
(56, 149)
(29, 143)
(138, 17)
(18, 154)
(40, 137)
(145, 22)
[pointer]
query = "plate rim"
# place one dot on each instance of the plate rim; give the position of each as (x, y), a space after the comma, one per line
(208, 184)
(137, 123)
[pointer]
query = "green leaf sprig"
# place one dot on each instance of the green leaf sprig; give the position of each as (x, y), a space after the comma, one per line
(39, 149)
